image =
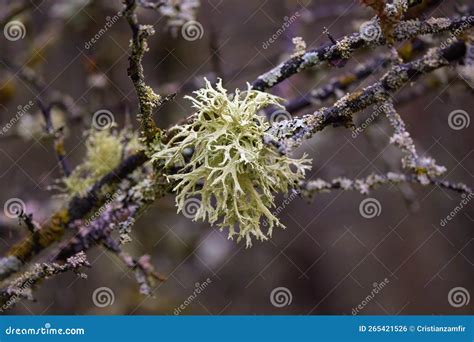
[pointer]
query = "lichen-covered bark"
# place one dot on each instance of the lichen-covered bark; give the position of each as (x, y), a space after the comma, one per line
(341, 112)
(337, 86)
(346, 46)
(147, 98)
(372, 181)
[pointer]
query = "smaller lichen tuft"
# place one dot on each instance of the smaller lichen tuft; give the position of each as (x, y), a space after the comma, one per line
(223, 160)
(104, 151)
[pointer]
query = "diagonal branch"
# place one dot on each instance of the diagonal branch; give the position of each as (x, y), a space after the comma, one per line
(22, 287)
(346, 46)
(341, 84)
(342, 111)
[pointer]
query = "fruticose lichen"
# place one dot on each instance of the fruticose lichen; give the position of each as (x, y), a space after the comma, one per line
(104, 151)
(223, 160)
(31, 126)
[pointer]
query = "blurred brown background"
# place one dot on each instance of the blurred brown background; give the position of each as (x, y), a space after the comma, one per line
(329, 256)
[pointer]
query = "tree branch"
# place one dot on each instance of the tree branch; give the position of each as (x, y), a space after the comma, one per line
(341, 112)
(340, 84)
(346, 46)
(147, 98)
(372, 181)
(22, 287)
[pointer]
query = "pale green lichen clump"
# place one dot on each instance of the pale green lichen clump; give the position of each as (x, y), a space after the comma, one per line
(225, 163)
(104, 151)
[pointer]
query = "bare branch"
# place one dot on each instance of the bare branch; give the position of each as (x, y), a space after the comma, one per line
(346, 46)
(341, 112)
(340, 84)
(22, 287)
(372, 181)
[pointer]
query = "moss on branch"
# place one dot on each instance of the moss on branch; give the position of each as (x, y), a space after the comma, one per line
(147, 98)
